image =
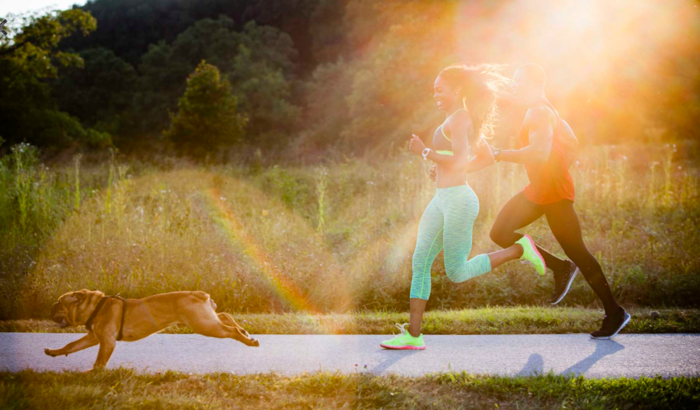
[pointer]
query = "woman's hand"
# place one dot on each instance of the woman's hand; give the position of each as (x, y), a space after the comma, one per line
(416, 146)
(484, 156)
(433, 172)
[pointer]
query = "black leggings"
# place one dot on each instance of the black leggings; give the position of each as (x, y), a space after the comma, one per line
(520, 212)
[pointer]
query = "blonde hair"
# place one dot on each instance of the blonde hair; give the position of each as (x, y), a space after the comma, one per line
(481, 84)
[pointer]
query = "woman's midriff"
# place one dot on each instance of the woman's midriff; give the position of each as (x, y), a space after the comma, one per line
(446, 178)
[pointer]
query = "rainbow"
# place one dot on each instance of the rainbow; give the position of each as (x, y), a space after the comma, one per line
(236, 234)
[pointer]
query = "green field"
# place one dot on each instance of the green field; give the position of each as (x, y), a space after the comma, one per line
(265, 238)
(121, 388)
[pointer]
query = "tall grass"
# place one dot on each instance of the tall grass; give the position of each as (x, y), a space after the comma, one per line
(332, 238)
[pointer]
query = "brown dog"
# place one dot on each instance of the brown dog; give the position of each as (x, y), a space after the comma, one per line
(134, 319)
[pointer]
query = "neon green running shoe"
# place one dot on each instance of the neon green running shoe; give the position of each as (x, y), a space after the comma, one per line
(404, 341)
(531, 254)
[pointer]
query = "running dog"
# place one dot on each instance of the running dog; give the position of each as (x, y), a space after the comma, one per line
(112, 318)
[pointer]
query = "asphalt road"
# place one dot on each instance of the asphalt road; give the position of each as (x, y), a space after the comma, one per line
(630, 355)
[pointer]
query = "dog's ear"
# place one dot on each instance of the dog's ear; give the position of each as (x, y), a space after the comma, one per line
(77, 297)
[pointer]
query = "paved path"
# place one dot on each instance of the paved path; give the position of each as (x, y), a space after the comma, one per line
(630, 355)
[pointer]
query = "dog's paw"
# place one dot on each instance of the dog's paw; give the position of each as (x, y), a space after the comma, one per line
(254, 343)
(50, 352)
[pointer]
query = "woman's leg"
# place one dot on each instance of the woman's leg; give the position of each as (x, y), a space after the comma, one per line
(416, 318)
(461, 207)
(428, 246)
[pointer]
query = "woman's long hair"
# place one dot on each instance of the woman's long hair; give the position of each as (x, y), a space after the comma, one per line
(481, 84)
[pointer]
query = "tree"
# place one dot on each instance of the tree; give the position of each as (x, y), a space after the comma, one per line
(259, 62)
(99, 93)
(27, 110)
(129, 27)
(326, 109)
(264, 95)
(207, 118)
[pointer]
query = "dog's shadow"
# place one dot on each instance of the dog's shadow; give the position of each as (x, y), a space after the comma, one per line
(535, 363)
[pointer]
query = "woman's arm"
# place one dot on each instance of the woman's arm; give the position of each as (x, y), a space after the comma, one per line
(484, 156)
(460, 128)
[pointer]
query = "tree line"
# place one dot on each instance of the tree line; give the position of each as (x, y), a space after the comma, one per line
(305, 76)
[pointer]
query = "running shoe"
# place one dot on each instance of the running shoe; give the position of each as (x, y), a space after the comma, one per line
(612, 324)
(562, 282)
(404, 341)
(531, 254)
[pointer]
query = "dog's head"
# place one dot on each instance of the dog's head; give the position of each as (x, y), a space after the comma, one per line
(71, 307)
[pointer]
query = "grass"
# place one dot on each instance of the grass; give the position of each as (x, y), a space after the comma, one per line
(331, 239)
(123, 388)
(495, 320)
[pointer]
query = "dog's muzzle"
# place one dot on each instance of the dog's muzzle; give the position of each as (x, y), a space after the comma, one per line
(57, 317)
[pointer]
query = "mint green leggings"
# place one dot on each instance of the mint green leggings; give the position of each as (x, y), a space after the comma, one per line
(447, 221)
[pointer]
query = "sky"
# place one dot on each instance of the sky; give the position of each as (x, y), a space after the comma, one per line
(11, 6)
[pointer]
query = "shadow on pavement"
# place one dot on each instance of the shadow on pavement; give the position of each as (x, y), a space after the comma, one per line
(603, 348)
(535, 363)
(389, 357)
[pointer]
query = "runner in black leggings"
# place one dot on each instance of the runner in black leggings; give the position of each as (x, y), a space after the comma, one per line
(548, 147)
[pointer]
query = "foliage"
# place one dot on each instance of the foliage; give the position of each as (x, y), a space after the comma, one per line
(99, 93)
(28, 112)
(257, 62)
(350, 75)
(207, 118)
(327, 112)
(129, 27)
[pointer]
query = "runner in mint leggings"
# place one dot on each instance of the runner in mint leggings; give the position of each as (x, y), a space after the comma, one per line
(466, 94)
